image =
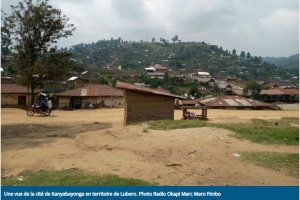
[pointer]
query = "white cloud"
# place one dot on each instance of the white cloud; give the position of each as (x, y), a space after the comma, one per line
(282, 20)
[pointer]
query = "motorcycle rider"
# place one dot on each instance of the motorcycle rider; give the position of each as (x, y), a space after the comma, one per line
(42, 104)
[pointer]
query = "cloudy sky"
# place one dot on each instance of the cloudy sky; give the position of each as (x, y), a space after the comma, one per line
(261, 27)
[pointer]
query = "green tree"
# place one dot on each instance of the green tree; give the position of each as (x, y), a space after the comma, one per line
(34, 28)
(234, 52)
(194, 91)
(216, 88)
(253, 87)
(175, 38)
(248, 55)
(5, 41)
(242, 55)
(166, 76)
(102, 80)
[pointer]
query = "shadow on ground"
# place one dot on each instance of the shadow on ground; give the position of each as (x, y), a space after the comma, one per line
(22, 136)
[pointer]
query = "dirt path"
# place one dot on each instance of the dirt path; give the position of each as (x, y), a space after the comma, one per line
(196, 156)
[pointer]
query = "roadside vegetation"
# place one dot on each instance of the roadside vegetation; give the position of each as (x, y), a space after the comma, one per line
(70, 177)
(259, 131)
(274, 160)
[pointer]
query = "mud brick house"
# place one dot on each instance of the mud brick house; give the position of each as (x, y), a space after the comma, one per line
(143, 104)
(98, 95)
(16, 95)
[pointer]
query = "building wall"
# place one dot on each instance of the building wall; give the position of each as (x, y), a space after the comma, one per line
(12, 99)
(64, 101)
(142, 107)
(98, 102)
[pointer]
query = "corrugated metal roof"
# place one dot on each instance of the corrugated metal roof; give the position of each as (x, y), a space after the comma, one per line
(16, 89)
(72, 78)
(233, 101)
(280, 91)
(128, 86)
(237, 91)
(160, 67)
(93, 91)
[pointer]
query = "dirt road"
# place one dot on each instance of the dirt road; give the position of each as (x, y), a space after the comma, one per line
(196, 156)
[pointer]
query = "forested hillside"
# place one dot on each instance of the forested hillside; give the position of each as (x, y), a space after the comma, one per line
(289, 62)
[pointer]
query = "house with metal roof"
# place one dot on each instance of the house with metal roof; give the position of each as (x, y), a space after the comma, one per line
(143, 104)
(75, 81)
(280, 94)
(235, 102)
(98, 95)
(16, 95)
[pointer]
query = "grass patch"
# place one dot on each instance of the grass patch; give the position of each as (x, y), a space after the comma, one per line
(274, 160)
(70, 177)
(259, 131)
(265, 132)
(175, 124)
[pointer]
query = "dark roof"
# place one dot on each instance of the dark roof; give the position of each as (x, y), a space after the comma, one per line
(93, 91)
(128, 86)
(16, 89)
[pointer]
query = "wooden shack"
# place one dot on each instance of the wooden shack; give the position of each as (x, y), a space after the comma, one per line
(143, 104)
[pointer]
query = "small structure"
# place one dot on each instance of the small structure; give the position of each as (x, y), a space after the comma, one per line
(16, 95)
(143, 104)
(98, 95)
(160, 69)
(86, 75)
(76, 81)
(6, 80)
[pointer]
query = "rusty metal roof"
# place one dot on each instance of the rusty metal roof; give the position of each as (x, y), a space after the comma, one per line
(280, 91)
(157, 66)
(237, 91)
(16, 89)
(128, 86)
(189, 102)
(93, 91)
(232, 101)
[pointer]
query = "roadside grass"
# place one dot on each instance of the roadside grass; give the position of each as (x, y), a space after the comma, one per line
(175, 124)
(70, 177)
(274, 160)
(259, 131)
(265, 132)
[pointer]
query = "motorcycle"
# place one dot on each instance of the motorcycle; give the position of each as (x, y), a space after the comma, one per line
(36, 109)
(188, 115)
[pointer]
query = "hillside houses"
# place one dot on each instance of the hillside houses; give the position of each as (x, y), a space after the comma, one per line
(157, 71)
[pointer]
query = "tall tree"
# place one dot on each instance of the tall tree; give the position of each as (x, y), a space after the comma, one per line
(248, 55)
(234, 52)
(175, 38)
(242, 55)
(34, 29)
